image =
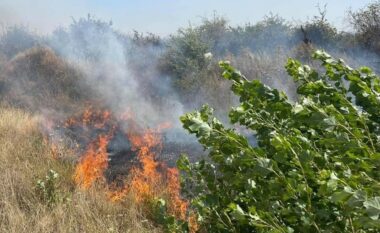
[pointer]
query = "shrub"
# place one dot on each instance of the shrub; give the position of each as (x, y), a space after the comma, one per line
(184, 50)
(47, 189)
(320, 31)
(272, 30)
(366, 22)
(315, 166)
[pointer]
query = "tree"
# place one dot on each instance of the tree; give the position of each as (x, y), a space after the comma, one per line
(315, 166)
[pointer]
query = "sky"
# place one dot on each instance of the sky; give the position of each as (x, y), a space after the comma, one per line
(164, 17)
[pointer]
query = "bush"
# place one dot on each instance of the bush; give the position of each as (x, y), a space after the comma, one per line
(366, 22)
(184, 50)
(47, 189)
(320, 32)
(315, 166)
(272, 30)
(191, 67)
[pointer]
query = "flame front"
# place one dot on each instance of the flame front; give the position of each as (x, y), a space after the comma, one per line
(145, 180)
(152, 179)
(93, 163)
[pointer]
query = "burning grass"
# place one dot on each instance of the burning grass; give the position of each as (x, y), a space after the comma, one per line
(93, 163)
(146, 179)
(26, 157)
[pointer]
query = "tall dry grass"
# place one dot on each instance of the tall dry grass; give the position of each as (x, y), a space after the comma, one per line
(25, 157)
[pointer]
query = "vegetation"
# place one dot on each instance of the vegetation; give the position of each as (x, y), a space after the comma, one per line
(47, 189)
(315, 166)
(303, 155)
(26, 159)
(37, 79)
(179, 60)
(366, 23)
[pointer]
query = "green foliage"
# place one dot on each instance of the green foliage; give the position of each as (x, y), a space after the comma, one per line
(184, 51)
(315, 168)
(47, 189)
(191, 66)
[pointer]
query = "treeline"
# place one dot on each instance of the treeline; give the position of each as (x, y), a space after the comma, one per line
(184, 64)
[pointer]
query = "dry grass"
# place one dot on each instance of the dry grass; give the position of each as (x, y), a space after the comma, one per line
(25, 158)
(37, 79)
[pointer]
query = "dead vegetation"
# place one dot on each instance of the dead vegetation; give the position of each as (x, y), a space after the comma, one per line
(38, 79)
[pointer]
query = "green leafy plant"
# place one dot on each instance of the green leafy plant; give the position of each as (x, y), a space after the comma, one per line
(47, 189)
(315, 167)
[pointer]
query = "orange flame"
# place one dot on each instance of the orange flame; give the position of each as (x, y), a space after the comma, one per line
(153, 179)
(148, 180)
(93, 163)
(90, 118)
(177, 206)
(145, 179)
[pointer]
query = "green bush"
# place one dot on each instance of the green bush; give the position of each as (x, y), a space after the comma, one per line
(316, 164)
(47, 189)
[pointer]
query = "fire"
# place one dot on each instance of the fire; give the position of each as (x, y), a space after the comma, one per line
(147, 179)
(92, 164)
(152, 179)
(90, 118)
(144, 180)
(177, 206)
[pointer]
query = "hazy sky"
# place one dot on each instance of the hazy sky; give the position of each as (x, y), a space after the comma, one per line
(164, 16)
